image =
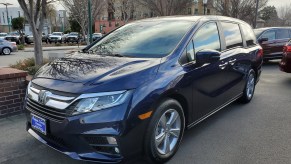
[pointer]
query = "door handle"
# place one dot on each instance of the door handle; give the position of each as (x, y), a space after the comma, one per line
(231, 62)
(222, 66)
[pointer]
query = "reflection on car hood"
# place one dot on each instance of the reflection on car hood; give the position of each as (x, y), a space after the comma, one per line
(96, 69)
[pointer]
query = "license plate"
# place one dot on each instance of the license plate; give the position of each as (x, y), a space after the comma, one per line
(38, 124)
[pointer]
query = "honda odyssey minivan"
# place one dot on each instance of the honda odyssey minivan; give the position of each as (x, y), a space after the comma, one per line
(134, 92)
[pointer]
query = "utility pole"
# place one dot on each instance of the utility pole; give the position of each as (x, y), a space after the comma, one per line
(257, 8)
(7, 4)
(90, 22)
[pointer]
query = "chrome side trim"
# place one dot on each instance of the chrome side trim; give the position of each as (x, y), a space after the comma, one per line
(214, 111)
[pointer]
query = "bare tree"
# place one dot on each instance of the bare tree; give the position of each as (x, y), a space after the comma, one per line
(127, 8)
(166, 7)
(35, 15)
(241, 9)
(284, 14)
(79, 11)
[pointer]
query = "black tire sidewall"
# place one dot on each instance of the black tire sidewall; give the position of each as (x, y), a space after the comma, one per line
(152, 154)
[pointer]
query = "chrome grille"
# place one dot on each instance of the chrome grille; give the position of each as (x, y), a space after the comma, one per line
(45, 111)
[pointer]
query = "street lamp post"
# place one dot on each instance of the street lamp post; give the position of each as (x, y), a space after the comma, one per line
(204, 4)
(7, 4)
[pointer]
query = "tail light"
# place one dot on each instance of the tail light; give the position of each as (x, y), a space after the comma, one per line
(260, 53)
(287, 48)
(13, 43)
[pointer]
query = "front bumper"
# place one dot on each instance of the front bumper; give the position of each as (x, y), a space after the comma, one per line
(272, 56)
(85, 136)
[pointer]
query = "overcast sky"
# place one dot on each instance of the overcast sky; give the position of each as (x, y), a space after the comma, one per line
(276, 3)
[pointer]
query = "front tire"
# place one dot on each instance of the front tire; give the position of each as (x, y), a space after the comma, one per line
(6, 51)
(250, 86)
(164, 132)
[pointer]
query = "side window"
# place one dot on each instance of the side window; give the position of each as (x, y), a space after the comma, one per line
(207, 37)
(232, 35)
(249, 34)
(271, 35)
(188, 54)
(282, 34)
(190, 51)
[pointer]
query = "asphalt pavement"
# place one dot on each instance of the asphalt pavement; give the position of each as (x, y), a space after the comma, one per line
(258, 132)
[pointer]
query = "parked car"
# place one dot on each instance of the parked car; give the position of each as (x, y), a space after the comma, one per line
(29, 39)
(96, 36)
(3, 35)
(136, 90)
(273, 39)
(285, 64)
(73, 37)
(44, 38)
(56, 37)
(13, 37)
(7, 47)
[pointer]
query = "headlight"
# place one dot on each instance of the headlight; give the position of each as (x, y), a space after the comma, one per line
(98, 101)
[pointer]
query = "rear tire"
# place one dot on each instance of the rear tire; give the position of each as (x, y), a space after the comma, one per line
(249, 89)
(164, 132)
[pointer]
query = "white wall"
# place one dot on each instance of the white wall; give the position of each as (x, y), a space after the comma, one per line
(13, 12)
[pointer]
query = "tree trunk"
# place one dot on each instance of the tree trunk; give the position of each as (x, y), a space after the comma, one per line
(38, 54)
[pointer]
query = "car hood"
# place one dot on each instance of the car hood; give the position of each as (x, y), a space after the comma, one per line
(106, 71)
(72, 36)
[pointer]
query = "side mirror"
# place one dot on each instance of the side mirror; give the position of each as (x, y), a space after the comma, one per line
(207, 56)
(261, 40)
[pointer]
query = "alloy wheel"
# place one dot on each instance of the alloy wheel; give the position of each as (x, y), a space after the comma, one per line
(6, 51)
(167, 132)
(250, 86)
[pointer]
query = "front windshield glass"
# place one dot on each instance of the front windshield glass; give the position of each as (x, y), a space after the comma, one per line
(3, 34)
(73, 33)
(55, 33)
(147, 39)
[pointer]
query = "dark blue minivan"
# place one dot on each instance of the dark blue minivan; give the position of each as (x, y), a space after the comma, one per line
(134, 92)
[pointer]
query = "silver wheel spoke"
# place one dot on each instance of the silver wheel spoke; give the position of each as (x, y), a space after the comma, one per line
(166, 146)
(173, 118)
(175, 132)
(160, 138)
(163, 121)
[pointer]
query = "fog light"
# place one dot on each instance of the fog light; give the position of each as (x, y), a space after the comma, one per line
(116, 150)
(111, 140)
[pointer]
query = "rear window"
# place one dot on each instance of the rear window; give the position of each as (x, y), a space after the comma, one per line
(232, 35)
(249, 35)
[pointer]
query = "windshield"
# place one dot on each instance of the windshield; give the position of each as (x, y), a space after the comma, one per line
(148, 39)
(3, 34)
(56, 33)
(73, 33)
(258, 32)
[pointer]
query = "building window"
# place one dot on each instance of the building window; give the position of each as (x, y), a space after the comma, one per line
(189, 11)
(196, 11)
(208, 11)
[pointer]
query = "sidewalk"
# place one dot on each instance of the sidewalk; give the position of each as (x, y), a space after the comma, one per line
(31, 49)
